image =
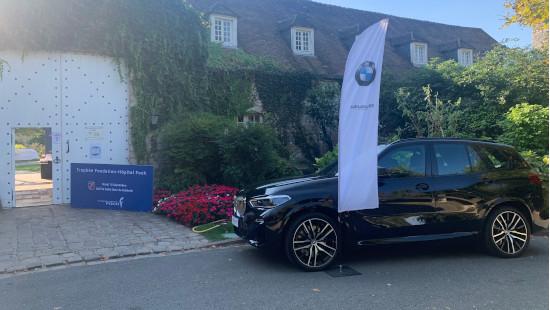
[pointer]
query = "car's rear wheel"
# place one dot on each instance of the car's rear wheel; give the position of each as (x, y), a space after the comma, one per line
(507, 232)
(313, 241)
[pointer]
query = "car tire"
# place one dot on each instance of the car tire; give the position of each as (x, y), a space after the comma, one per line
(313, 241)
(507, 232)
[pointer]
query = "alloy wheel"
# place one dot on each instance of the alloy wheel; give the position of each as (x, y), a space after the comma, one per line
(315, 243)
(509, 232)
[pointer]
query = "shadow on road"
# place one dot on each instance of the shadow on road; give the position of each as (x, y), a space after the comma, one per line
(463, 248)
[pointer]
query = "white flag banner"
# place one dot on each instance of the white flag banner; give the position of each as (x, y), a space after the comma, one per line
(358, 125)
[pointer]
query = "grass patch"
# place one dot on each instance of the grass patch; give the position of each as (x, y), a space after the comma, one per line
(35, 167)
(222, 232)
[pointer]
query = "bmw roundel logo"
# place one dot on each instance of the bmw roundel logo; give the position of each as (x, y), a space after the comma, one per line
(366, 73)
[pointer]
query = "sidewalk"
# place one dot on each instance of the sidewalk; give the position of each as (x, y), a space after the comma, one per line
(56, 235)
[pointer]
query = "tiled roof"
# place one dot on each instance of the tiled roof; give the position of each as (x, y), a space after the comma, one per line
(264, 29)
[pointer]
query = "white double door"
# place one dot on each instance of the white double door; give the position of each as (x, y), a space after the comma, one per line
(84, 99)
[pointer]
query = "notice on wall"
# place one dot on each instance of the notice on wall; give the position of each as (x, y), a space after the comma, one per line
(94, 133)
(113, 187)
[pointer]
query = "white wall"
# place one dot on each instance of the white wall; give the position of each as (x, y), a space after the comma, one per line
(81, 97)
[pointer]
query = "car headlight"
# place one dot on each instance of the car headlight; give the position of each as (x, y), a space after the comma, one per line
(267, 202)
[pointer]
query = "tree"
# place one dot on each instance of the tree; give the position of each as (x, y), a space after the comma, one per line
(506, 77)
(531, 13)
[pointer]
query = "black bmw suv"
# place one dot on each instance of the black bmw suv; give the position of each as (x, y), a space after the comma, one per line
(428, 189)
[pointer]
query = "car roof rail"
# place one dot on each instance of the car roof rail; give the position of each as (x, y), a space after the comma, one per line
(449, 139)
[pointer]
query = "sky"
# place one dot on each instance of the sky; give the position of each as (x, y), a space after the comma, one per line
(485, 14)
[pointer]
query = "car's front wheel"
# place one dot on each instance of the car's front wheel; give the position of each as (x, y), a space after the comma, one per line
(507, 232)
(313, 241)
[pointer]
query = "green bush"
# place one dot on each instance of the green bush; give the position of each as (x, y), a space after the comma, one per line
(540, 163)
(252, 154)
(526, 127)
(190, 151)
(326, 159)
(208, 149)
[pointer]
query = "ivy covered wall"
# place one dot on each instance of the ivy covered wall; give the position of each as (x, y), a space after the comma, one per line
(162, 43)
(173, 69)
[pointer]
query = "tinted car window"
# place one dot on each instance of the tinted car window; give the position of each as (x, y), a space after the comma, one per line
(407, 160)
(451, 158)
(500, 158)
(476, 164)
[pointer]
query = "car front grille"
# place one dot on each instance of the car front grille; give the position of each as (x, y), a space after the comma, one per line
(239, 204)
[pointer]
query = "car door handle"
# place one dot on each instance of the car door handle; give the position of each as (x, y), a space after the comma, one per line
(422, 187)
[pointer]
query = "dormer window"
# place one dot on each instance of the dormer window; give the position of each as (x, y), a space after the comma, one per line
(302, 41)
(465, 57)
(419, 53)
(223, 29)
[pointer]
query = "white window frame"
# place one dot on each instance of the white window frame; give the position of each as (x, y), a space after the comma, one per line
(302, 41)
(416, 59)
(223, 30)
(465, 56)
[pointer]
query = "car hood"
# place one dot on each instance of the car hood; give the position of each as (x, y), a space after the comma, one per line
(270, 187)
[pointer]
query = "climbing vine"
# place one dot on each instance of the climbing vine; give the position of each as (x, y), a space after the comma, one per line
(173, 70)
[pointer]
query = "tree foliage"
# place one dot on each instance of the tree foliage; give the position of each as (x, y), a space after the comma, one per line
(327, 158)
(526, 127)
(486, 100)
(531, 13)
(486, 90)
(429, 115)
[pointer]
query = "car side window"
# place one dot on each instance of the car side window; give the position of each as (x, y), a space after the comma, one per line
(451, 159)
(404, 161)
(502, 159)
(476, 164)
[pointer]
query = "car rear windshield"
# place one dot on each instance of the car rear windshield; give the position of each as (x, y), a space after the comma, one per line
(501, 158)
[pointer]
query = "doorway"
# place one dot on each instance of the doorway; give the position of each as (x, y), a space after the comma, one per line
(33, 167)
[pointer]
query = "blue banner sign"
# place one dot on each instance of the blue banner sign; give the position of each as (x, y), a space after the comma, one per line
(113, 187)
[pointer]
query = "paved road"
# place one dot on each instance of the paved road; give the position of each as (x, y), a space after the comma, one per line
(421, 276)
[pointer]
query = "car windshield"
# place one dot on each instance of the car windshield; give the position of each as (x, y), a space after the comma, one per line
(332, 168)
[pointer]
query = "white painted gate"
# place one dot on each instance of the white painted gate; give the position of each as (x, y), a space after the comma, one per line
(80, 97)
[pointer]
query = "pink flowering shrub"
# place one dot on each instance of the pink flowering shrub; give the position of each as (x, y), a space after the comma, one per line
(159, 195)
(199, 204)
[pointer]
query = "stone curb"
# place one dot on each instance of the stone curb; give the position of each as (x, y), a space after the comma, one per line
(215, 244)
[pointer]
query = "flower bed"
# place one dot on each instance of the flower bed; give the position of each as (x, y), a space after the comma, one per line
(200, 204)
(159, 195)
